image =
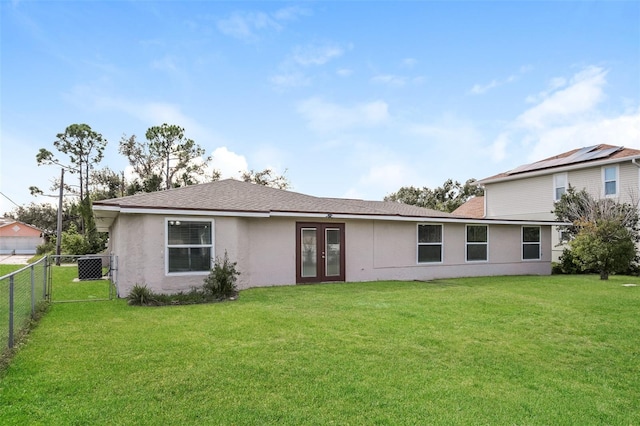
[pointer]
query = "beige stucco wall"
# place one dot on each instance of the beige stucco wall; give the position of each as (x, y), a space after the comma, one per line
(381, 250)
(264, 249)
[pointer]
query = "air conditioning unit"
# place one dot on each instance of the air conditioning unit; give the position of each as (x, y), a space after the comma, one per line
(89, 268)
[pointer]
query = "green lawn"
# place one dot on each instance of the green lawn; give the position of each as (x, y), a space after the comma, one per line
(508, 350)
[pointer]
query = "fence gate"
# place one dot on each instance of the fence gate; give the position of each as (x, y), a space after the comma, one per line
(81, 278)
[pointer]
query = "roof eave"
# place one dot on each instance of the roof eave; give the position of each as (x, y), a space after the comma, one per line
(561, 169)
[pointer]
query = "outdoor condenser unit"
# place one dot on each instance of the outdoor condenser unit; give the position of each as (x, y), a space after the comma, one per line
(89, 268)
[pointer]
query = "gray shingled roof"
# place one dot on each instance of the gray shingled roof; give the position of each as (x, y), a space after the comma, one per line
(235, 196)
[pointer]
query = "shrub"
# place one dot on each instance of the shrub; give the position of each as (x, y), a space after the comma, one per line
(221, 281)
(568, 264)
(49, 247)
(141, 295)
(73, 242)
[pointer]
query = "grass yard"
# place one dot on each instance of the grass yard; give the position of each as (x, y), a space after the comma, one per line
(507, 350)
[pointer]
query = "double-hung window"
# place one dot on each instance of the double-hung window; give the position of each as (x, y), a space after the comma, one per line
(559, 185)
(477, 243)
(530, 242)
(429, 243)
(610, 181)
(189, 246)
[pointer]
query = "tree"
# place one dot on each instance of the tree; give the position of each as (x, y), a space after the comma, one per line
(447, 198)
(606, 246)
(165, 160)
(83, 146)
(267, 178)
(107, 184)
(43, 216)
(603, 232)
(146, 165)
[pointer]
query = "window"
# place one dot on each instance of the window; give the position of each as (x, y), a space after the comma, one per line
(189, 246)
(559, 185)
(530, 242)
(477, 243)
(429, 243)
(610, 180)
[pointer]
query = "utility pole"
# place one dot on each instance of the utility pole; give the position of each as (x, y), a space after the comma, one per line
(59, 228)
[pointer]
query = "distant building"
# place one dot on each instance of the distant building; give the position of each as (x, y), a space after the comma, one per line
(19, 238)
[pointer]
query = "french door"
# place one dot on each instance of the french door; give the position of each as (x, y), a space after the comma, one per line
(319, 252)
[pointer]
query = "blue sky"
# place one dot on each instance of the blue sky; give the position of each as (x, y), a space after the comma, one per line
(353, 99)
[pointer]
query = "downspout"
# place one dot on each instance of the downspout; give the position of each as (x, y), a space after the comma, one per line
(484, 200)
(635, 163)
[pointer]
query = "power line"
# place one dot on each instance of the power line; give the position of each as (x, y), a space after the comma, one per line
(16, 204)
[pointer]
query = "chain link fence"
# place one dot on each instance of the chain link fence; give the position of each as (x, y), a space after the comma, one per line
(52, 279)
(82, 278)
(20, 294)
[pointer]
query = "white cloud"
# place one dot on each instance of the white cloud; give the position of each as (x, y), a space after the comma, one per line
(566, 116)
(291, 13)
(584, 92)
(292, 70)
(389, 177)
(324, 116)
(554, 84)
(291, 79)
(315, 54)
(623, 130)
(167, 63)
(409, 62)
(480, 89)
(230, 164)
(498, 149)
(150, 113)
(389, 79)
(246, 25)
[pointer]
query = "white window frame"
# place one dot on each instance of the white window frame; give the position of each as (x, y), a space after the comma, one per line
(616, 180)
(468, 243)
(167, 221)
(441, 244)
(523, 242)
(556, 186)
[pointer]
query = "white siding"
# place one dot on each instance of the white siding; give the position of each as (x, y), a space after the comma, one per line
(532, 198)
(529, 198)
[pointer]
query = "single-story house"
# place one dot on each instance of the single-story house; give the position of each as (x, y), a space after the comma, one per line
(167, 240)
(19, 238)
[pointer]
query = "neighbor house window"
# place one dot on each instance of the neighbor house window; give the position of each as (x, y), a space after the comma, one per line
(189, 246)
(530, 242)
(477, 243)
(610, 180)
(559, 185)
(429, 243)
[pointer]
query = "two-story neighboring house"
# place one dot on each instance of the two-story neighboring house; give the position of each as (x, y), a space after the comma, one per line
(529, 191)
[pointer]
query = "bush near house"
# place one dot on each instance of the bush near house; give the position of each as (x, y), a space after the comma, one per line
(219, 285)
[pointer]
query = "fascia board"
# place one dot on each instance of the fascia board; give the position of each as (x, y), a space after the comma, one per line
(422, 219)
(180, 212)
(105, 208)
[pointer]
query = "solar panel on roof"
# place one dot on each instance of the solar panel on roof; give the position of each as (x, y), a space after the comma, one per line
(584, 154)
